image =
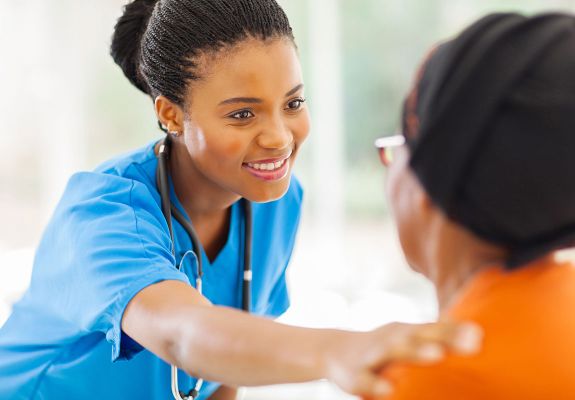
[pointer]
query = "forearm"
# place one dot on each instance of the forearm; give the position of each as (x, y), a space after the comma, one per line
(176, 323)
(238, 349)
(172, 320)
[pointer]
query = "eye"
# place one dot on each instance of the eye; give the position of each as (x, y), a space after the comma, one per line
(295, 104)
(242, 115)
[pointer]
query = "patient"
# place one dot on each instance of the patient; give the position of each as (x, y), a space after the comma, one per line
(483, 193)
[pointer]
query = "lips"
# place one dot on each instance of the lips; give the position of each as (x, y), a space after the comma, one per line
(269, 169)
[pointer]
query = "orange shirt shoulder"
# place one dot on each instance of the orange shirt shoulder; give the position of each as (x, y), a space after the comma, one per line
(528, 317)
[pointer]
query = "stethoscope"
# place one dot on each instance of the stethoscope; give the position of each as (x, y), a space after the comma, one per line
(168, 209)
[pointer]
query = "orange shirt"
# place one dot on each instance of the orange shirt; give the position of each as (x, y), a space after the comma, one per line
(528, 353)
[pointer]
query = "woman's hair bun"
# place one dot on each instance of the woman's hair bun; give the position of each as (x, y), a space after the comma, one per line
(157, 42)
(127, 39)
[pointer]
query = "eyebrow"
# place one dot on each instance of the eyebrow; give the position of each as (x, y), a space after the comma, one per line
(255, 100)
(294, 90)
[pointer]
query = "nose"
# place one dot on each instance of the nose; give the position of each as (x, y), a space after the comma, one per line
(275, 134)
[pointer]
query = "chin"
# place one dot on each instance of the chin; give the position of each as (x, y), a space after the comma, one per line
(414, 267)
(269, 192)
(417, 267)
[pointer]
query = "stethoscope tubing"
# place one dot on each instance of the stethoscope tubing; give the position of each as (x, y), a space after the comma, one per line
(169, 210)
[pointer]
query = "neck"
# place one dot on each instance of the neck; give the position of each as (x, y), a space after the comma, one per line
(207, 204)
(448, 285)
(199, 195)
(452, 267)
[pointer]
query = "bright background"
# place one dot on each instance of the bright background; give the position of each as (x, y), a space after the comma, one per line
(66, 107)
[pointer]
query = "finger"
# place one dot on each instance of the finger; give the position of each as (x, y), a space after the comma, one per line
(429, 343)
(424, 353)
(462, 338)
(399, 342)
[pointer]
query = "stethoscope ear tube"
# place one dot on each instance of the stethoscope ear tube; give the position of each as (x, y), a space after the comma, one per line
(164, 188)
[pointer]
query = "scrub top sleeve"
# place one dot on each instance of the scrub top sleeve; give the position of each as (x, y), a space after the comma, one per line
(108, 241)
(161, 267)
(124, 347)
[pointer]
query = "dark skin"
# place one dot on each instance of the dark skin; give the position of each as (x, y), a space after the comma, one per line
(237, 136)
(214, 232)
(212, 229)
(444, 251)
(214, 137)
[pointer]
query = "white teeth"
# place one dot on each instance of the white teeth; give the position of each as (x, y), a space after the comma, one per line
(267, 166)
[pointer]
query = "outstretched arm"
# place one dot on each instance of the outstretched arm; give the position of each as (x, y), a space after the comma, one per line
(221, 344)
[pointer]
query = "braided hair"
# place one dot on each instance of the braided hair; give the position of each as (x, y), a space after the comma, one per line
(157, 42)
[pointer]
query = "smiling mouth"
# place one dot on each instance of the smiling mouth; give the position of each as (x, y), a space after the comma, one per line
(269, 170)
(269, 166)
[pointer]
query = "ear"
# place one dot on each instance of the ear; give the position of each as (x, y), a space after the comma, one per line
(170, 115)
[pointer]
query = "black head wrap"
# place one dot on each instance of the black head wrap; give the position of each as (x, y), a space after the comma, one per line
(490, 125)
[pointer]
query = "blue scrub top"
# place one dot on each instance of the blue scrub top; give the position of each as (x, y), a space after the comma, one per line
(106, 241)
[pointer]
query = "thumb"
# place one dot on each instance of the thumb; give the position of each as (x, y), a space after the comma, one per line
(373, 385)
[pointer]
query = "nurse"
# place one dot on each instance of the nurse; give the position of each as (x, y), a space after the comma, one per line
(114, 300)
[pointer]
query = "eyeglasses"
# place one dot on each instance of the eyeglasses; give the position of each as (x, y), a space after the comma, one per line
(386, 145)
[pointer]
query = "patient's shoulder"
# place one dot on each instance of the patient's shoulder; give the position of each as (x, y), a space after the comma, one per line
(529, 325)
